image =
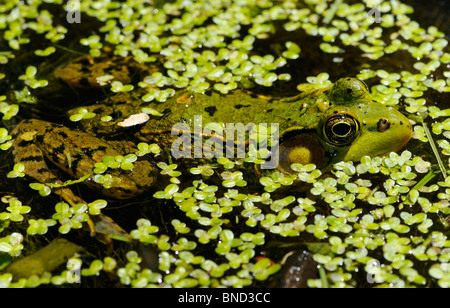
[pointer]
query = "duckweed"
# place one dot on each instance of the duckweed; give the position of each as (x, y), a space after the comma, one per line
(15, 209)
(117, 86)
(30, 80)
(17, 171)
(39, 226)
(70, 217)
(43, 189)
(45, 52)
(9, 111)
(376, 219)
(122, 162)
(82, 113)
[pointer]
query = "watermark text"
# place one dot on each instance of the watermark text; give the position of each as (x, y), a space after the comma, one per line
(73, 11)
(228, 140)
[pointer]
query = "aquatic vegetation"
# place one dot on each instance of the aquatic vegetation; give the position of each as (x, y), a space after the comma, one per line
(383, 220)
(29, 78)
(83, 113)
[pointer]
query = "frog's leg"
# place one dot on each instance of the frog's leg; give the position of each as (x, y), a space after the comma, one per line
(26, 152)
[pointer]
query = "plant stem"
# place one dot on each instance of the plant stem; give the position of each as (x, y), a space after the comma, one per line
(435, 150)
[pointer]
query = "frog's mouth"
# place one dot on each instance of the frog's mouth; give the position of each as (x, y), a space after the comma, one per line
(299, 146)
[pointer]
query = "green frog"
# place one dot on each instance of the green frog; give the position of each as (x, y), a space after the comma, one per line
(320, 126)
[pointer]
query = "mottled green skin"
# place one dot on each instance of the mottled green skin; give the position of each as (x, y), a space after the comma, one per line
(306, 117)
(306, 112)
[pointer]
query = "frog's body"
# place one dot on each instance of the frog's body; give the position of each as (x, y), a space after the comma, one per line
(319, 126)
(76, 154)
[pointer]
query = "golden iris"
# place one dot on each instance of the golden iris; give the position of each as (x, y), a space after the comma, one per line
(341, 129)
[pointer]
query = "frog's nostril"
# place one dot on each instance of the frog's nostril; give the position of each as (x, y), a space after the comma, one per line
(383, 125)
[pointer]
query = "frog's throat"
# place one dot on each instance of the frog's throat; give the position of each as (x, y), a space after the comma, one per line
(302, 149)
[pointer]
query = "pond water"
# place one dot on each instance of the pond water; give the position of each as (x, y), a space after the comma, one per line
(228, 222)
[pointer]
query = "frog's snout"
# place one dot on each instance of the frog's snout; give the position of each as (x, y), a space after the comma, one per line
(390, 132)
(398, 128)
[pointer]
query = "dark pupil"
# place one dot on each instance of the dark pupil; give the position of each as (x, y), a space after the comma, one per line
(341, 129)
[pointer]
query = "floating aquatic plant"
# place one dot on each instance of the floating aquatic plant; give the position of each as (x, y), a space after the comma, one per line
(378, 217)
(82, 113)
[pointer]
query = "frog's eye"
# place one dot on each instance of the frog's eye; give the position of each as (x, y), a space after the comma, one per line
(363, 84)
(341, 129)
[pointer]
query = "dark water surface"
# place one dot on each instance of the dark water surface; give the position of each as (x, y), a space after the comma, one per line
(312, 62)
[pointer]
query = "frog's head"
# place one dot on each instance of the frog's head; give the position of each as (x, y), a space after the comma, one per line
(365, 129)
(354, 126)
